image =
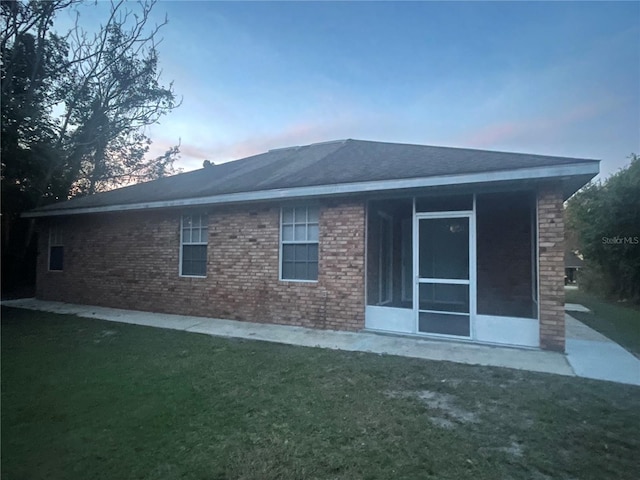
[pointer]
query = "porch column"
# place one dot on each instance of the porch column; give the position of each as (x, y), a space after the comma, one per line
(551, 267)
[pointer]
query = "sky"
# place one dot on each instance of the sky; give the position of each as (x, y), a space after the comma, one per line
(551, 78)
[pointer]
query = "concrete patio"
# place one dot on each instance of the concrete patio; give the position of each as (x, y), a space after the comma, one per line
(588, 353)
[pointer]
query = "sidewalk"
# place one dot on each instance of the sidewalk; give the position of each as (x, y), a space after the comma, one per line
(578, 360)
(592, 355)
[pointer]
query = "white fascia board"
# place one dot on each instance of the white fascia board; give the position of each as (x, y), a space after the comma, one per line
(590, 168)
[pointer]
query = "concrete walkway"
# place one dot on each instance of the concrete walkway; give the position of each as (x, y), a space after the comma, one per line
(576, 363)
(575, 307)
(592, 355)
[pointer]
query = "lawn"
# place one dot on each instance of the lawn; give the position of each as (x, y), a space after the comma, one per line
(87, 399)
(619, 322)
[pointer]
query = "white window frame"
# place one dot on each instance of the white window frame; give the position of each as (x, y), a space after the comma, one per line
(183, 243)
(55, 240)
(283, 242)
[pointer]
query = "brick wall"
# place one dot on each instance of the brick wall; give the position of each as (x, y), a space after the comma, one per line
(131, 260)
(551, 267)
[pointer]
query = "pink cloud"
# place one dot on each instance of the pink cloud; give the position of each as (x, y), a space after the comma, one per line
(495, 133)
(526, 129)
(302, 133)
(298, 134)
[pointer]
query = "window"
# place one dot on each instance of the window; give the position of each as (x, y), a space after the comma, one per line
(193, 246)
(299, 240)
(56, 249)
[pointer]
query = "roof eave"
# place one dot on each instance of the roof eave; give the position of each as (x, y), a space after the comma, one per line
(586, 170)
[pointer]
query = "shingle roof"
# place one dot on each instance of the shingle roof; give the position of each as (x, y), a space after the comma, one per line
(329, 163)
(572, 260)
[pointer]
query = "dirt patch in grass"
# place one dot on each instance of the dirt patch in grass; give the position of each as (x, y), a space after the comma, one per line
(442, 407)
(104, 336)
(513, 449)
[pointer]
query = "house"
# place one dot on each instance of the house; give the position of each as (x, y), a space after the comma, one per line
(348, 235)
(572, 265)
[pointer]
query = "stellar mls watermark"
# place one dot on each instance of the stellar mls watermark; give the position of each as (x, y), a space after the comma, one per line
(619, 240)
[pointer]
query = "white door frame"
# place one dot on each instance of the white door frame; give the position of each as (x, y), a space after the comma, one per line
(470, 214)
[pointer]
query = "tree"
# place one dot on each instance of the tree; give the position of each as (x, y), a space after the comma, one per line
(606, 220)
(74, 108)
(113, 92)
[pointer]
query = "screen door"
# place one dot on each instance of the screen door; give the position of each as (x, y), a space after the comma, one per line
(443, 276)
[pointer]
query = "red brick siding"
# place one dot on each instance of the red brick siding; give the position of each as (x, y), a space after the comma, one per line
(551, 268)
(131, 260)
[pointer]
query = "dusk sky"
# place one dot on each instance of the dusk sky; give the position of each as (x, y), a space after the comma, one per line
(547, 78)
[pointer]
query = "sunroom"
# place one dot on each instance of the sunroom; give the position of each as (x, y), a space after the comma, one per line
(455, 265)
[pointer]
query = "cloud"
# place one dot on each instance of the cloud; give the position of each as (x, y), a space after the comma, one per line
(537, 128)
(192, 155)
(232, 145)
(301, 133)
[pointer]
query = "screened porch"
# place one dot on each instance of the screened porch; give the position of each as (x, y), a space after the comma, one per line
(457, 265)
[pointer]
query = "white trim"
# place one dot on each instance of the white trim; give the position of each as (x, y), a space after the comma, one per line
(583, 168)
(447, 214)
(473, 271)
(448, 281)
(389, 319)
(444, 312)
(415, 284)
(296, 281)
(508, 330)
(299, 242)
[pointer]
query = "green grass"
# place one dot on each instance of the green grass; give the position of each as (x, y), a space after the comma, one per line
(86, 399)
(619, 322)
